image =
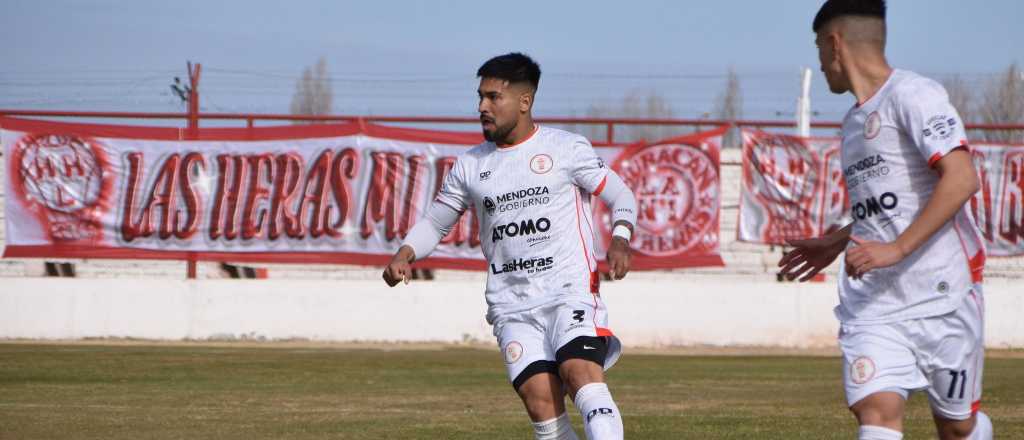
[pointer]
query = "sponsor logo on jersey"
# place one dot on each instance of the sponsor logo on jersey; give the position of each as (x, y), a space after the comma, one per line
(939, 127)
(522, 228)
(485, 175)
(874, 206)
(530, 265)
(862, 370)
(523, 193)
(866, 163)
(516, 200)
(872, 126)
(541, 164)
(866, 169)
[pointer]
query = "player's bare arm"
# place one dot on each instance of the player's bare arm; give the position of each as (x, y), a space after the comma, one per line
(812, 255)
(958, 181)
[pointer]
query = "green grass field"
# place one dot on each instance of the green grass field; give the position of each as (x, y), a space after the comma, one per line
(128, 391)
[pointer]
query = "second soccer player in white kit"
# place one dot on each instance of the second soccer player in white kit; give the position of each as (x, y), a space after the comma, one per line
(531, 188)
(910, 299)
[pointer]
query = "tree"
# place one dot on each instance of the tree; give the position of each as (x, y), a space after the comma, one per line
(313, 95)
(960, 96)
(637, 104)
(1003, 103)
(729, 107)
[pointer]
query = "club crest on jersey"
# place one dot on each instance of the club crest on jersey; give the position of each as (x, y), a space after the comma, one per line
(872, 126)
(939, 127)
(541, 164)
(862, 370)
(513, 352)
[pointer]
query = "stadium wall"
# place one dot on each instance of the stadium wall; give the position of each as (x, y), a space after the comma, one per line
(699, 310)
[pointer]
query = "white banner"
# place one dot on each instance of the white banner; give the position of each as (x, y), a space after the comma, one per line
(312, 193)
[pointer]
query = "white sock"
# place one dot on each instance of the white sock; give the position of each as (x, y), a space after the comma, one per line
(982, 427)
(601, 417)
(559, 428)
(870, 432)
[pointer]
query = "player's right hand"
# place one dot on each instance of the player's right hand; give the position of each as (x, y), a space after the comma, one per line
(399, 269)
(810, 257)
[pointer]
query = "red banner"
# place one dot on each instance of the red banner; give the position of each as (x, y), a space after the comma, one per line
(315, 193)
(677, 183)
(999, 206)
(792, 188)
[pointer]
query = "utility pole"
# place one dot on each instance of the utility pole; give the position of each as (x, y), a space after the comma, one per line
(189, 94)
(803, 105)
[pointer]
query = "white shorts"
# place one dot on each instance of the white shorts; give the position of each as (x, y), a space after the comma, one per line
(942, 354)
(537, 334)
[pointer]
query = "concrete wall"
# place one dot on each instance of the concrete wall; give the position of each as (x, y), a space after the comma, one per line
(648, 311)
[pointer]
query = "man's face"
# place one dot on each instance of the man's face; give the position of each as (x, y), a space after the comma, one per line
(827, 42)
(500, 106)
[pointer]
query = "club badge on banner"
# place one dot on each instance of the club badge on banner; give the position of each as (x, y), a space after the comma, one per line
(677, 183)
(792, 188)
(321, 193)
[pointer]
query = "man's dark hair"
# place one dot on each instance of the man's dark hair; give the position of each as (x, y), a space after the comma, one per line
(513, 67)
(833, 9)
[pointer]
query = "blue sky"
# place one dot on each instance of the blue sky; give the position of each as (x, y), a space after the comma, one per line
(419, 57)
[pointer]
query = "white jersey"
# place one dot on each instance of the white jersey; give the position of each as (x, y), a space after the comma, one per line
(533, 204)
(890, 144)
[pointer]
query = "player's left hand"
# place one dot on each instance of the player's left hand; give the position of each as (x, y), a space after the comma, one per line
(870, 255)
(619, 256)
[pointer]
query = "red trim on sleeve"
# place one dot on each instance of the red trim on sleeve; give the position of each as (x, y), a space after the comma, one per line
(601, 331)
(975, 406)
(936, 157)
(600, 186)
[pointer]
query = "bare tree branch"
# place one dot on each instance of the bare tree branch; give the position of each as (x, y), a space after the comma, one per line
(313, 94)
(1003, 103)
(729, 107)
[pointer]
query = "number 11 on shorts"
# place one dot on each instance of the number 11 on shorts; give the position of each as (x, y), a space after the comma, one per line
(957, 377)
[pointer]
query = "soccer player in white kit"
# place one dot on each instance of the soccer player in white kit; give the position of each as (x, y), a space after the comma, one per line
(531, 188)
(910, 300)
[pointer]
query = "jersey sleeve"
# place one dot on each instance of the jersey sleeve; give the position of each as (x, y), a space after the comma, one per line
(454, 191)
(588, 171)
(931, 121)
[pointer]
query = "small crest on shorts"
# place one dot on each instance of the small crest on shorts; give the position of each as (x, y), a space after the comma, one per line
(943, 287)
(862, 370)
(872, 126)
(513, 352)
